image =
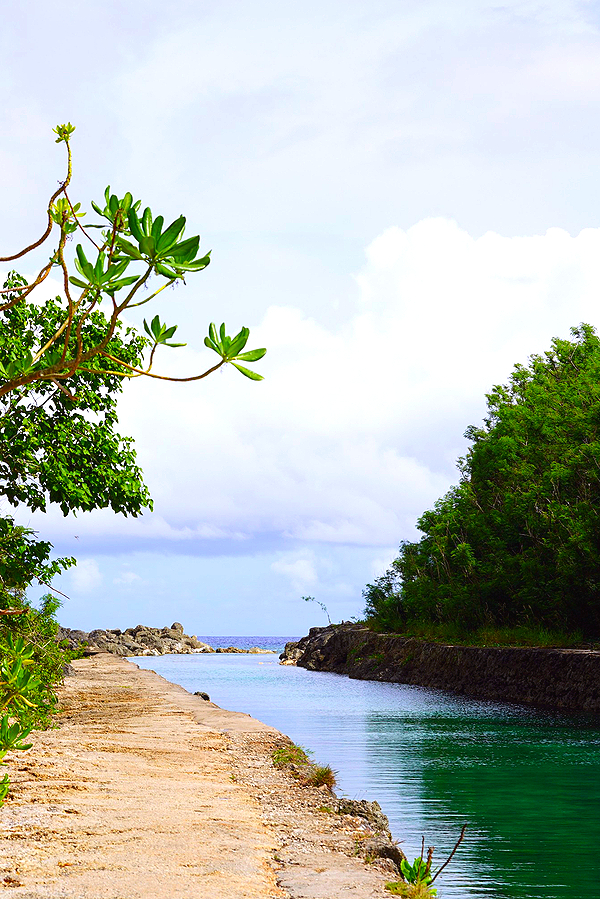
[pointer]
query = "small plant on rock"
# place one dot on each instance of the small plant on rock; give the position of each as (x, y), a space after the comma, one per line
(321, 776)
(290, 755)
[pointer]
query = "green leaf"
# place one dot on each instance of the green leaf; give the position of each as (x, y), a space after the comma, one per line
(147, 221)
(128, 248)
(147, 246)
(184, 251)
(249, 374)
(165, 271)
(239, 341)
(252, 355)
(195, 266)
(171, 235)
(157, 227)
(78, 283)
(134, 225)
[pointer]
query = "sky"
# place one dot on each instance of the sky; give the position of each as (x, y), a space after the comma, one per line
(401, 199)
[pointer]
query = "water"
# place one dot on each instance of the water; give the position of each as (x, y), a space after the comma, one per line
(527, 783)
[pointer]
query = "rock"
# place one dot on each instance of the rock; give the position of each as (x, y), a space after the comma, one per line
(383, 847)
(202, 695)
(140, 640)
(370, 811)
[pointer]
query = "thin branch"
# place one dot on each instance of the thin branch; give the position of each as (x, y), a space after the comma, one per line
(13, 611)
(28, 288)
(54, 590)
(15, 289)
(46, 233)
(152, 295)
(78, 223)
(64, 389)
(458, 842)
(134, 290)
(150, 374)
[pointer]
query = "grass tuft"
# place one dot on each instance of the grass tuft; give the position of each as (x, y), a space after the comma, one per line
(290, 755)
(321, 776)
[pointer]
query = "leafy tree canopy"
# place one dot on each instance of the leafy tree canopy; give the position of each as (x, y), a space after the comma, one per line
(63, 362)
(517, 541)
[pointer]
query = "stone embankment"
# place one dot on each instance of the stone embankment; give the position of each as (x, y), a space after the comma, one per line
(144, 641)
(566, 679)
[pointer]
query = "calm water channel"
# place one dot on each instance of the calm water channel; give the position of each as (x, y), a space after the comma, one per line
(527, 783)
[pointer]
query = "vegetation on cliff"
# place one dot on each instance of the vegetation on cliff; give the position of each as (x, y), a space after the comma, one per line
(516, 544)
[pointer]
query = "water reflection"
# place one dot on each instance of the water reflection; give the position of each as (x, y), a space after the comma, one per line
(527, 783)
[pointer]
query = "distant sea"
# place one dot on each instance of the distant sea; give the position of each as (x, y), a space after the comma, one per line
(276, 643)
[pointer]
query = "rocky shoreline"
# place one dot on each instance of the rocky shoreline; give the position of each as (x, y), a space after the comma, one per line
(145, 641)
(561, 679)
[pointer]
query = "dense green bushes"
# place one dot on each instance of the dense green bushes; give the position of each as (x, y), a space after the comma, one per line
(31, 665)
(517, 541)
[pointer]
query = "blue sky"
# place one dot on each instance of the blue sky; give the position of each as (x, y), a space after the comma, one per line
(402, 202)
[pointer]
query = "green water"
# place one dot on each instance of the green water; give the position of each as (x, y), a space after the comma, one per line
(526, 783)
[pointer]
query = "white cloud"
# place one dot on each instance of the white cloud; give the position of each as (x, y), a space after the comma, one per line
(300, 571)
(356, 429)
(86, 577)
(127, 578)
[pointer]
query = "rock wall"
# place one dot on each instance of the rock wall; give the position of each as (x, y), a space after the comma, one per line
(566, 679)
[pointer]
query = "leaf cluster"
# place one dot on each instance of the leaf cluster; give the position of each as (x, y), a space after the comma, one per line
(134, 247)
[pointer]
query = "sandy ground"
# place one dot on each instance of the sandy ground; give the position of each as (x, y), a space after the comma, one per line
(144, 790)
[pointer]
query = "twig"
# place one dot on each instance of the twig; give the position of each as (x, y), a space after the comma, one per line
(77, 222)
(458, 842)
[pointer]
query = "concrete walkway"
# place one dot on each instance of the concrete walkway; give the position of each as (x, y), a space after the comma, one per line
(142, 792)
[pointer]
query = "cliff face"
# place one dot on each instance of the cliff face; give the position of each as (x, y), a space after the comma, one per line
(566, 679)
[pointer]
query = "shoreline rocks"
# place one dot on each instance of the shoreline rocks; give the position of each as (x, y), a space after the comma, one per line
(559, 679)
(145, 641)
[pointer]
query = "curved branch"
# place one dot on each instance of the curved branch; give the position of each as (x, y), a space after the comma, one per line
(77, 222)
(149, 374)
(50, 222)
(27, 288)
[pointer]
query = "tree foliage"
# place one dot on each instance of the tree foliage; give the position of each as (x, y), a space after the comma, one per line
(63, 362)
(517, 541)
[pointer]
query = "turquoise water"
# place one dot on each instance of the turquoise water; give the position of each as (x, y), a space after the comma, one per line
(526, 783)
